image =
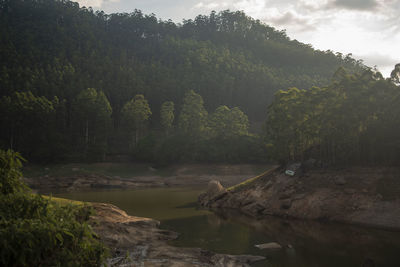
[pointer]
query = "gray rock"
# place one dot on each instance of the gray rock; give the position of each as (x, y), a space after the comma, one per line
(272, 245)
(214, 192)
(215, 188)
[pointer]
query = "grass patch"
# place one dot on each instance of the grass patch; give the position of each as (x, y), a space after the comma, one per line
(251, 180)
(64, 201)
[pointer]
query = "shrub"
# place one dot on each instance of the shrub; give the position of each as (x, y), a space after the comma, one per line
(35, 231)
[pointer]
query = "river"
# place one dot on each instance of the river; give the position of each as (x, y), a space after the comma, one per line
(304, 243)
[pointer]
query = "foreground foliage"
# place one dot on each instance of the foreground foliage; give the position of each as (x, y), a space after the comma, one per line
(35, 231)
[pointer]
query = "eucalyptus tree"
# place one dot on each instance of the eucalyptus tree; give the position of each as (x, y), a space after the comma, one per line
(227, 123)
(25, 121)
(167, 116)
(193, 117)
(135, 114)
(92, 118)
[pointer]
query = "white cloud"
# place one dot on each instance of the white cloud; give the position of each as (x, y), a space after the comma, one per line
(95, 3)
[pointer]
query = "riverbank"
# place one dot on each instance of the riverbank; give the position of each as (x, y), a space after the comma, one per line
(136, 241)
(100, 176)
(362, 195)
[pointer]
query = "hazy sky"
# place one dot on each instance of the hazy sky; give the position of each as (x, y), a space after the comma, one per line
(369, 29)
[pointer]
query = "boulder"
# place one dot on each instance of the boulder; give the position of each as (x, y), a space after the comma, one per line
(214, 192)
(215, 188)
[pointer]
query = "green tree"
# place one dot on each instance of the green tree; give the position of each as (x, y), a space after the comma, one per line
(228, 123)
(395, 74)
(92, 112)
(10, 174)
(26, 122)
(135, 113)
(167, 115)
(193, 117)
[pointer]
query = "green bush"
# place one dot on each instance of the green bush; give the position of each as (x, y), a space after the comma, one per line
(35, 231)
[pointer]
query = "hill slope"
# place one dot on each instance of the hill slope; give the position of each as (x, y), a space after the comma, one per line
(54, 47)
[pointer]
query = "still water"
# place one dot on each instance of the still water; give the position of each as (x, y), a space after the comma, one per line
(305, 244)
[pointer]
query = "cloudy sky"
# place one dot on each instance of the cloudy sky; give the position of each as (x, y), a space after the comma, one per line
(369, 29)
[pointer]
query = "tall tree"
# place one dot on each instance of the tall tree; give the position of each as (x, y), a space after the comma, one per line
(167, 115)
(228, 123)
(92, 117)
(26, 121)
(134, 115)
(193, 117)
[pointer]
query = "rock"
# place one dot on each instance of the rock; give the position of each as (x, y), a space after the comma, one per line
(286, 204)
(215, 188)
(272, 245)
(152, 169)
(214, 192)
(294, 169)
(340, 180)
(298, 196)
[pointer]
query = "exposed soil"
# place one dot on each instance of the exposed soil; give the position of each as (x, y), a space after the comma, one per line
(368, 196)
(185, 175)
(138, 241)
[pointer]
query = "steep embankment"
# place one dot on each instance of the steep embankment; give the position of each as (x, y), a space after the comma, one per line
(138, 241)
(368, 196)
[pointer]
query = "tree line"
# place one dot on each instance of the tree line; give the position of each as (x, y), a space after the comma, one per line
(354, 120)
(31, 124)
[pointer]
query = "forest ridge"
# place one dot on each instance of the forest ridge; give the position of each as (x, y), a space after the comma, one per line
(68, 74)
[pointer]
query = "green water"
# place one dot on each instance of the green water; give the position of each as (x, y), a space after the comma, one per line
(312, 243)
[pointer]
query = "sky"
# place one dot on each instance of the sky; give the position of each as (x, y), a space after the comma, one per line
(368, 29)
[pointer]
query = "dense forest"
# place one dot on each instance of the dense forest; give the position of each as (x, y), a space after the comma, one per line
(82, 85)
(354, 120)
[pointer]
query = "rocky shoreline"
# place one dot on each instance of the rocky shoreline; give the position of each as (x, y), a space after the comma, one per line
(136, 241)
(185, 175)
(365, 196)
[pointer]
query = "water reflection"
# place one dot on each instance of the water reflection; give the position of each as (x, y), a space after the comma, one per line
(313, 244)
(305, 243)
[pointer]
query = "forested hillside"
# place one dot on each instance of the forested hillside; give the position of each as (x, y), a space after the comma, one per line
(67, 74)
(353, 121)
